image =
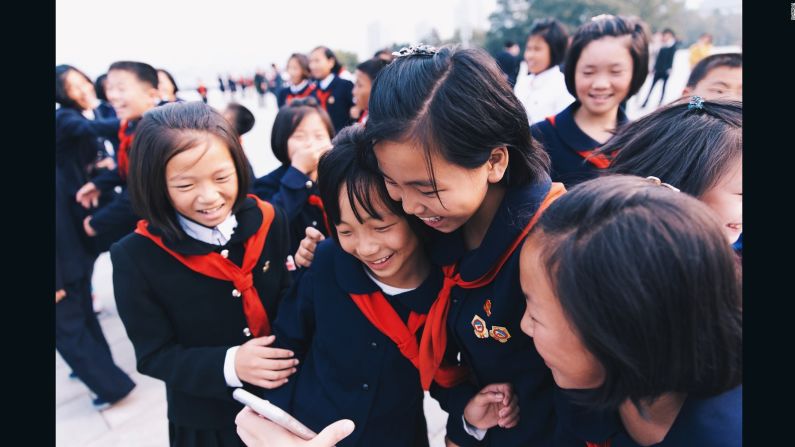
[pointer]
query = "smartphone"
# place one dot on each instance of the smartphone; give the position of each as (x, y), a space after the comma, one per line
(273, 413)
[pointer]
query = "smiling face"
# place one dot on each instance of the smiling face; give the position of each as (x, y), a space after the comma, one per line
(603, 75)
(80, 90)
(461, 191)
(295, 71)
(311, 134)
(202, 182)
(572, 365)
(726, 200)
(387, 246)
(128, 95)
(537, 54)
(361, 89)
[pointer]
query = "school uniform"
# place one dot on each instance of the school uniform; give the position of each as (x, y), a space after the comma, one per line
(182, 323)
(570, 148)
(484, 321)
(349, 368)
(289, 93)
(335, 95)
(297, 195)
(543, 94)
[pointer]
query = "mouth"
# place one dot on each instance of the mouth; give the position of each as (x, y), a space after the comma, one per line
(735, 226)
(601, 98)
(380, 263)
(432, 221)
(210, 211)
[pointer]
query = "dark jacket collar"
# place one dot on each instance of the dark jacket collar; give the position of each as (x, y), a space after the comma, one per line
(572, 135)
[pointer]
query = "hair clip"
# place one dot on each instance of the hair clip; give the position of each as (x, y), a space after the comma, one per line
(601, 17)
(658, 182)
(418, 50)
(696, 102)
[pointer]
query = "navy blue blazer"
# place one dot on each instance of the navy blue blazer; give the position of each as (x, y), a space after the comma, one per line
(339, 103)
(563, 140)
(515, 360)
(77, 144)
(286, 95)
(286, 187)
(349, 369)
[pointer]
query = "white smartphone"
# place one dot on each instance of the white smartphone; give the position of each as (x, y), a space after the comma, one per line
(273, 413)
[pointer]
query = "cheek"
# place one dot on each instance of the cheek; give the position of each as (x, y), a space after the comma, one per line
(394, 192)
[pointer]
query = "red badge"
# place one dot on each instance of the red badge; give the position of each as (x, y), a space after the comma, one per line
(487, 308)
(500, 334)
(480, 327)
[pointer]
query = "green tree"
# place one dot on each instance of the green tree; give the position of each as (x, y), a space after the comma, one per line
(347, 59)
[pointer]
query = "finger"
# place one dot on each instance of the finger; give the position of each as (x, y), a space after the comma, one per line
(261, 341)
(275, 376)
(269, 384)
(305, 254)
(314, 234)
(277, 365)
(509, 421)
(95, 201)
(333, 433)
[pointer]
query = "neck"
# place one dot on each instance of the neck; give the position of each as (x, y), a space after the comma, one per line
(476, 227)
(599, 126)
(652, 423)
(411, 274)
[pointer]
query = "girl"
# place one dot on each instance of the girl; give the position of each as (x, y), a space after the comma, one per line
(606, 64)
(696, 147)
(543, 92)
(302, 132)
(365, 74)
(356, 317)
(199, 281)
(167, 86)
(334, 93)
(299, 84)
(452, 143)
(664, 353)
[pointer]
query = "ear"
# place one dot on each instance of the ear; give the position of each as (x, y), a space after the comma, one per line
(497, 164)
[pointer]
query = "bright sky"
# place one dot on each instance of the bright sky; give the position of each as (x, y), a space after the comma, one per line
(194, 38)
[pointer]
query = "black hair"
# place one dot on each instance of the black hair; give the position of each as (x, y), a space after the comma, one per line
(164, 132)
(343, 166)
(143, 71)
(669, 31)
(170, 78)
(509, 43)
(372, 67)
(458, 104)
(649, 284)
(329, 55)
(99, 86)
(554, 34)
(691, 149)
(289, 118)
(303, 62)
(242, 118)
(709, 63)
(616, 26)
(61, 97)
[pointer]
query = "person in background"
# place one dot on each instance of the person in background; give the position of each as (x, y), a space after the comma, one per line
(334, 93)
(202, 90)
(299, 85)
(663, 63)
(508, 60)
(365, 75)
(701, 49)
(167, 87)
(717, 76)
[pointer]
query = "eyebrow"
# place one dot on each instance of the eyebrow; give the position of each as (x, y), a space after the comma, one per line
(180, 176)
(720, 83)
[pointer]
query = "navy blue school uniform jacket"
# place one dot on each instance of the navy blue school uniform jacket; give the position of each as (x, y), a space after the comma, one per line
(286, 95)
(77, 143)
(289, 188)
(568, 146)
(337, 100)
(349, 369)
(500, 351)
(181, 322)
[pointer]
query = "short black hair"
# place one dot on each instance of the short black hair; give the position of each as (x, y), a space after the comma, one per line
(164, 132)
(458, 104)
(554, 34)
(509, 43)
(646, 279)
(143, 71)
(329, 55)
(691, 149)
(99, 86)
(60, 85)
(170, 78)
(289, 118)
(242, 118)
(371, 67)
(669, 31)
(709, 63)
(616, 26)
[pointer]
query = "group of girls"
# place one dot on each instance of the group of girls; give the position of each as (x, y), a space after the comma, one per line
(454, 262)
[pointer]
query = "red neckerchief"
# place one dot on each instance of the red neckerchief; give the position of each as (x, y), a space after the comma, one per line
(598, 160)
(598, 444)
(125, 141)
(315, 201)
(433, 342)
(302, 94)
(216, 266)
(362, 117)
(322, 97)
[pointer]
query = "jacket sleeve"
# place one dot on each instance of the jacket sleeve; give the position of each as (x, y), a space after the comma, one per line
(107, 179)
(295, 323)
(289, 194)
(75, 125)
(116, 214)
(191, 370)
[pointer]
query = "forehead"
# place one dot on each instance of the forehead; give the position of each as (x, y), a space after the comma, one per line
(605, 51)
(346, 212)
(310, 121)
(536, 39)
(208, 151)
(124, 77)
(532, 270)
(731, 76)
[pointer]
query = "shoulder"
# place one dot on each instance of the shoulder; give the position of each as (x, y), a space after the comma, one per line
(326, 252)
(271, 178)
(131, 247)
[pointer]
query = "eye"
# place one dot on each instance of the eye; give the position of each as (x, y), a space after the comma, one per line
(429, 193)
(224, 178)
(344, 233)
(384, 229)
(183, 187)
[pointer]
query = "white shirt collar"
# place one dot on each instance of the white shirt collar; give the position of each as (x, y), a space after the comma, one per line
(386, 288)
(219, 235)
(540, 77)
(298, 87)
(326, 81)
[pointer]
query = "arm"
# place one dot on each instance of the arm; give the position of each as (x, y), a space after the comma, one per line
(75, 125)
(289, 194)
(295, 324)
(117, 213)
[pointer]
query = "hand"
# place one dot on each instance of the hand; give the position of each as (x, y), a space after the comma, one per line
(106, 162)
(59, 295)
(88, 195)
(257, 431)
(307, 247)
(306, 158)
(355, 112)
(495, 404)
(88, 228)
(449, 443)
(259, 365)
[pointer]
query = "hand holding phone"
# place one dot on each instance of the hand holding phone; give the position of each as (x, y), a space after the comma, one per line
(273, 413)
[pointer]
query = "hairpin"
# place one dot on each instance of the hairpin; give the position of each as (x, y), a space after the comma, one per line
(658, 182)
(419, 50)
(696, 102)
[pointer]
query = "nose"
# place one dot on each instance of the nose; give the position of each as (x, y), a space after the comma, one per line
(367, 247)
(410, 204)
(208, 194)
(601, 81)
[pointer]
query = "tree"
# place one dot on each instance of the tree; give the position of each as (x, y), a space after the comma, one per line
(347, 59)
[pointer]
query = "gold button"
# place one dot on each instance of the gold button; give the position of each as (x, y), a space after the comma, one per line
(225, 253)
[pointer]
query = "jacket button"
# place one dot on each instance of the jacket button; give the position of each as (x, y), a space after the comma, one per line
(247, 332)
(314, 223)
(225, 253)
(365, 386)
(455, 300)
(374, 344)
(236, 293)
(266, 266)
(308, 184)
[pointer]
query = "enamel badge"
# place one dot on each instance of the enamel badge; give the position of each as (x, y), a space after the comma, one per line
(331, 100)
(500, 334)
(480, 327)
